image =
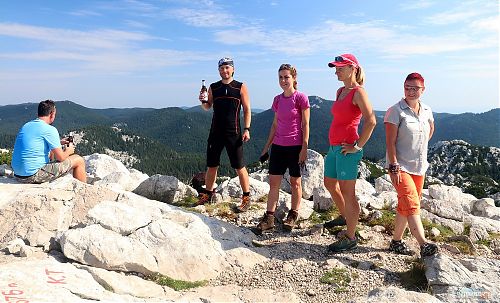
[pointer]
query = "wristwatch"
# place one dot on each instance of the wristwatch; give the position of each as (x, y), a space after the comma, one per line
(356, 147)
(247, 128)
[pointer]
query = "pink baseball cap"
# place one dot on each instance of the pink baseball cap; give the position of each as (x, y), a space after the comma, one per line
(344, 60)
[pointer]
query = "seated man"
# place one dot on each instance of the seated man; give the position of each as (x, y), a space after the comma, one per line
(37, 143)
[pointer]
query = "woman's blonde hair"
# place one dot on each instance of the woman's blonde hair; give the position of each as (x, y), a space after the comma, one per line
(293, 72)
(360, 75)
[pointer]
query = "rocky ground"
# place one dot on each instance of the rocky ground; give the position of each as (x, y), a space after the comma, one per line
(300, 260)
(107, 238)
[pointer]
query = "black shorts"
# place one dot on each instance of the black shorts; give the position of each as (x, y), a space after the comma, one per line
(283, 157)
(234, 149)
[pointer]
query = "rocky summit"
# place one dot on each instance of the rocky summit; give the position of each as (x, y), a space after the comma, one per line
(129, 237)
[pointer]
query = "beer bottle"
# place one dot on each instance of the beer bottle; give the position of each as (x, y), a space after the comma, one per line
(204, 92)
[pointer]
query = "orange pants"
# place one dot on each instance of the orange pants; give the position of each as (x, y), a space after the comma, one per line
(409, 192)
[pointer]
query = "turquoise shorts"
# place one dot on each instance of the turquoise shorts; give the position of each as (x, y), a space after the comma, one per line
(338, 166)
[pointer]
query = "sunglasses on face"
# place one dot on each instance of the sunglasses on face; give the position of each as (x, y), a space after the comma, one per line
(413, 88)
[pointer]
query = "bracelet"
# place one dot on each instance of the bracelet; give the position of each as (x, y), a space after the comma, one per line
(394, 168)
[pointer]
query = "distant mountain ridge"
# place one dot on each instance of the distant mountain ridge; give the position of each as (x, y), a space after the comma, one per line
(182, 133)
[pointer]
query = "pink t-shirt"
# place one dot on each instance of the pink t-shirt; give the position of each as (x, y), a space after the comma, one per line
(289, 115)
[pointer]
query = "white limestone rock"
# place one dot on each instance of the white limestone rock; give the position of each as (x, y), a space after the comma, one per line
(99, 166)
(322, 199)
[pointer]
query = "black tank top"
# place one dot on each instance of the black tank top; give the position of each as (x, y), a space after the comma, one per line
(227, 105)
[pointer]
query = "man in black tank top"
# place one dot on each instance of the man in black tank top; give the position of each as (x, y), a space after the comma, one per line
(227, 97)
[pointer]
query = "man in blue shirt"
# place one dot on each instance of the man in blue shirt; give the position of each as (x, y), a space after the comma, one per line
(37, 143)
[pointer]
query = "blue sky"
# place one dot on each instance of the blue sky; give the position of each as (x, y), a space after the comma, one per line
(154, 53)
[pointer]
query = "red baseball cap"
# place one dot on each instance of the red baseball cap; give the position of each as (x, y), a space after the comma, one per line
(344, 60)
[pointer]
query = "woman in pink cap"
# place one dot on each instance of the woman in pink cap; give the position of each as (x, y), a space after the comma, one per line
(346, 146)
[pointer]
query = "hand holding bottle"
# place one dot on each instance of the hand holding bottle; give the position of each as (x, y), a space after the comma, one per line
(203, 93)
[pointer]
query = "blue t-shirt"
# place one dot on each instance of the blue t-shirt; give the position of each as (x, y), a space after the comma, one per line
(33, 143)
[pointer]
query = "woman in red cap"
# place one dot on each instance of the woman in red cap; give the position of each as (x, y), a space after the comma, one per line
(409, 125)
(346, 146)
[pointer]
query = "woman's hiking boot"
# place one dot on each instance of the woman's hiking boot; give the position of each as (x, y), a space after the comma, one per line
(339, 221)
(290, 220)
(245, 204)
(266, 224)
(400, 248)
(204, 198)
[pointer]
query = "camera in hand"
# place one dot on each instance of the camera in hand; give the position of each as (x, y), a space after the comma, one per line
(69, 139)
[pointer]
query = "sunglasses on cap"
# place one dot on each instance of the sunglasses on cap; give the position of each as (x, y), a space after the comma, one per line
(286, 66)
(342, 59)
(226, 61)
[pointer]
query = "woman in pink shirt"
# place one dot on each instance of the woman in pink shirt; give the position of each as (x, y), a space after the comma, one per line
(288, 139)
(346, 146)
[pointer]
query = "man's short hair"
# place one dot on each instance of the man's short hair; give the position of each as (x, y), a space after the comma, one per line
(45, 108)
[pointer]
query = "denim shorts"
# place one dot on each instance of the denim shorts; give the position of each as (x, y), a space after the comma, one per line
(342, 167)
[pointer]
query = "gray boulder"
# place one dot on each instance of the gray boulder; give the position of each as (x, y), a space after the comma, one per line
(166, 189)
(393, 294)
(463, 280)
(485, 208)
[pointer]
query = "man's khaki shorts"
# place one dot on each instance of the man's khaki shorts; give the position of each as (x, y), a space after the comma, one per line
(48, 172)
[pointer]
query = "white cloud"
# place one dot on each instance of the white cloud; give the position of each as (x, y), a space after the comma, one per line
(446, 18)
(464, 12)
(201, 17)
(415, 5)
(137, 24)
(56, 38)
(487, 24)
(389, 40)
(85, 13)
(105, 51)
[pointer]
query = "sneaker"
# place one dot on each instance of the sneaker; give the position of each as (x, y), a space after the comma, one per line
(290, 220)
(339, 221)
(428, 249)
(204, 198)
(266, 224)
(245, 204)
(400, 248)
(343, 233)
(343, 244)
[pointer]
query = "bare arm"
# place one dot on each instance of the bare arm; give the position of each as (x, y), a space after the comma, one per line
(270, 138)
(391, 135)
(431, 124)
(306, 113)
(369, 121)
(60, 154)
(247, 112)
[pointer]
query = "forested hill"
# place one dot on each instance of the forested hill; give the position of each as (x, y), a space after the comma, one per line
(181, 134)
